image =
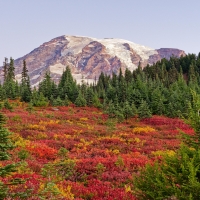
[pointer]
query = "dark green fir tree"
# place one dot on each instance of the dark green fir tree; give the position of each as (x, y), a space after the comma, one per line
(143, 110)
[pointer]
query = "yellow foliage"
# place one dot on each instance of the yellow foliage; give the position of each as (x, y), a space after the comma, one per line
(80, 124)
(66, 192)
(18, 103)
(84, 119)
(146, 129)
(122, 140)
(82, 140)
(77, 131)
(116, 151)
(130, 140)
(163, 153)
(90, 127)
(23, 168)
(19, 141)
(36, 127)
(83, 144)
(137, 140)
(128, 188)
(192, 149)
(67, 136)
(51, 122)
(123, 135)
(70, 122)
(79, 145)
(41, 187)
(55, 136)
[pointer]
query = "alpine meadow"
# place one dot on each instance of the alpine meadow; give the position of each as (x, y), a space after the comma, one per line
(99, 100)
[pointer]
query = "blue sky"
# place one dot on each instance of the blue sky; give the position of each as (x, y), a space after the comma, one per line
(26, 24)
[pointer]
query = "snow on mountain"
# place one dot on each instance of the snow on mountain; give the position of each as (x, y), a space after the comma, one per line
(88, 57)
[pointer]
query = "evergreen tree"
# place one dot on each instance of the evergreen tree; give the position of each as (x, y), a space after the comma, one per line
(10, 89)
(170, 110)
(67, 86)
(9, 83)
(122, 91)
(57, 102)
(54, 90)
(83, 88)
(193, 116)
(163, 73)
(89, 96)
(134, 109)
(24, 72)
(128, 76)
(143, 110)
(173, 74)
(80, 101)
(96, 102)
(111, 110)
(111, 92)
(5, 145)
(176, 177)
(127, 110)
(139, 69)
(25, 84)
(157, 99)
(45, 87)
(136, 97)
(5, 68)
(66, 101)
(38, 99)
(2, 93)
(120, 77)
(192, 77)
(11, 70)
(114, 80)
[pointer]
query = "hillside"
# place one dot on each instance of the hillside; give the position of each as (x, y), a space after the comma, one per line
(93, 142)
(79, 153)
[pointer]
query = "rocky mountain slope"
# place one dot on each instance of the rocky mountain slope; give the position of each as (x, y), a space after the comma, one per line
(88, 57)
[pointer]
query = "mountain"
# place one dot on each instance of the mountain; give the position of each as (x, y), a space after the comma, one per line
(88, 57)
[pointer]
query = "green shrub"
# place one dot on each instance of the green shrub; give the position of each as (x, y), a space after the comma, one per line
(23, 154)
(80, 101)
(30, 107)
(7, 105)
(57, 102)
(40, 100)
(177, 176)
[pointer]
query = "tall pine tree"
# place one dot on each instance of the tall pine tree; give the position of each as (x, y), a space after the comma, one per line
(5, 145)
(25, 84)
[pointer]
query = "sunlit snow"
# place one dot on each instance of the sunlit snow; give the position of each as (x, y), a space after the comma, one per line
(114, 47)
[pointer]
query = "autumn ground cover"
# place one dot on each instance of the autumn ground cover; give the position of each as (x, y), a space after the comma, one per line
(79, 153)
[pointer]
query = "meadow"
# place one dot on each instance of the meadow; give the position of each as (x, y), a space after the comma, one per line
(69, 152)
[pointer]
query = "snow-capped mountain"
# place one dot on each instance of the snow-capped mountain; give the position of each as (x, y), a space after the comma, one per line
(88, 57)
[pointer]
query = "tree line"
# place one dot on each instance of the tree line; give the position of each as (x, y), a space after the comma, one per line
(165, 88)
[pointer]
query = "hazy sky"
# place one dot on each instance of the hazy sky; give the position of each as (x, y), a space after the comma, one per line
(26, 24)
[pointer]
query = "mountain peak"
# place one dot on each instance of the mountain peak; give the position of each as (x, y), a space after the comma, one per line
(87, 57)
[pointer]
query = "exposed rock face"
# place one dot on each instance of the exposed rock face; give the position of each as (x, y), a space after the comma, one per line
(88, 57)
(165, 53)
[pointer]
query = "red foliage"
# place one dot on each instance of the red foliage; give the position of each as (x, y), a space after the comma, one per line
(105, 159)
(42, 151)
(98, 190)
